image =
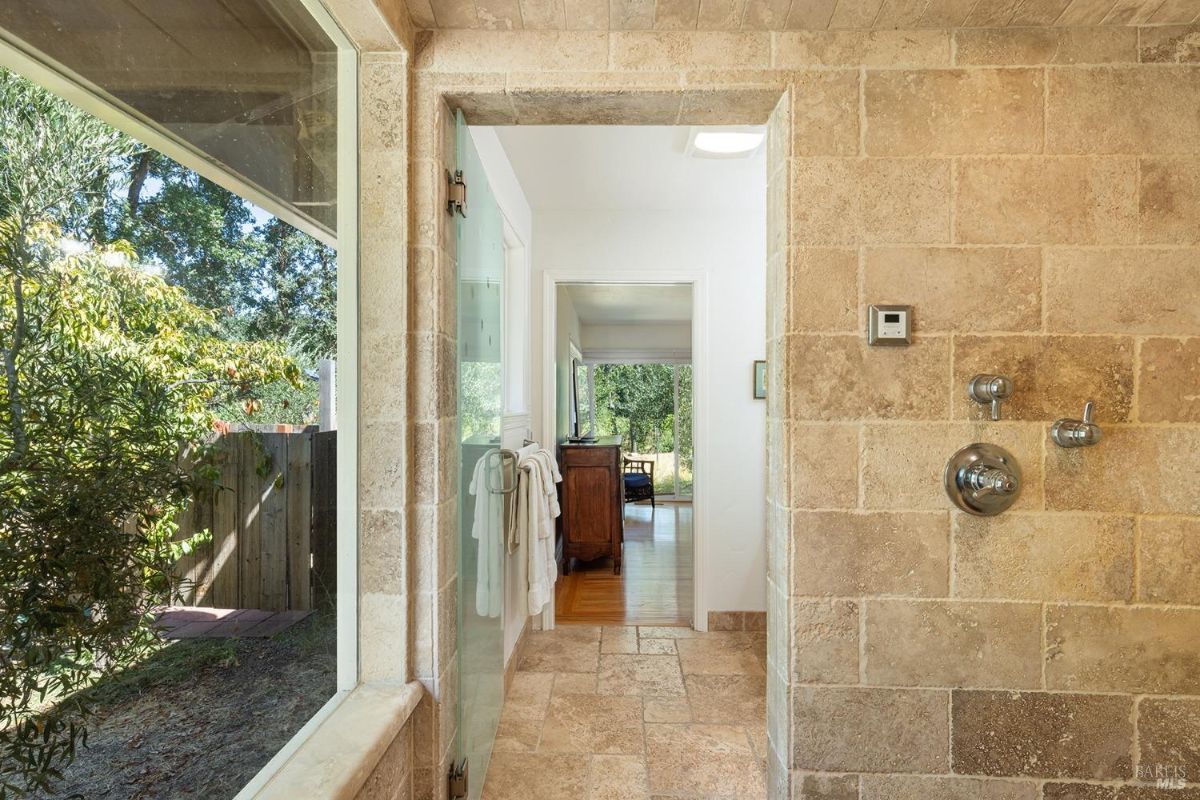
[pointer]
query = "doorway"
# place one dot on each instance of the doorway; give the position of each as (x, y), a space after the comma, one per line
(629, 381)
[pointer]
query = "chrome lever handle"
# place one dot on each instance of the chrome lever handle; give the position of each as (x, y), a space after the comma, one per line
(990, 390)
(1077, 433)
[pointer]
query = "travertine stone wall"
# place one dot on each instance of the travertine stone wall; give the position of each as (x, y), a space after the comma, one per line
(1036, 195)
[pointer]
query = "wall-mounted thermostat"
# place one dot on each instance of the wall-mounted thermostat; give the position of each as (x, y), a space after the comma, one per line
(889, 325)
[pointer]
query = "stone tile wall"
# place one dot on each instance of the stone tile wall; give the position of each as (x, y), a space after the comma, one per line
(1035, 194)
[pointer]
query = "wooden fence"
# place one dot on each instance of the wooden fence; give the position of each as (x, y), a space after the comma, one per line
(273, 523)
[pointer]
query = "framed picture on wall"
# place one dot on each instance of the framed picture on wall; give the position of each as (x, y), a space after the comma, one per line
(760, 380)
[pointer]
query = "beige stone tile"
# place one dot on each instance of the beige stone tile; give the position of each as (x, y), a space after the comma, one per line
(465, 50)
(455, 14)
(938, 112)
(991, 13)
(851, 554)
(539, 14)
(911, 787)
(1142, 470)
(529, 695)
(1168, 375)
(503, 15)
(666, 709)
(1171, 44)
(825, 641)
(1173, 12)
(814, 15)
(668, 632)
(575, 683)
(858, 48)
(617, 778)
(1169, 552)
(1080, 102)
(1044, 12)
(676, 15)
(1169, 201)
(962, 289)
(1044, 557)
(765, 15)
(870, 730)
(1053, 375)
(1169, 733)
(515, 735)
(1079, 791)
(824, 465)
(564, 649)
(1042, 734)
(903, 464)
(903, 200)
(725, 621)
(1036, 46)
(855, 13)
(824, 290)
(640, 50)
(953, 643)
(640, 675)
(1044, 200)
(841, 378)
(728, 699)
(1123, 290)
(547, 776)
(541, 107)
(591, 723)
(619, 639)
(656, 647)
(825, 113)
(740, 106)
(703, 760)
(631, 15)
(726, 653)
(585, 15)
(630, 83)
(1117, 649)
(807, 786)
(721, 15)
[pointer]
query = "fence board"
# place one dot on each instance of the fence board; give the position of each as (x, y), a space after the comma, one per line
(299, 480)
(324, 510)
(249, 522)
(273, 521)
(225, 586)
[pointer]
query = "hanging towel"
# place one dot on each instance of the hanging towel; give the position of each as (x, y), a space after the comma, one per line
(513, 509)
(488, 531)
(538, 501)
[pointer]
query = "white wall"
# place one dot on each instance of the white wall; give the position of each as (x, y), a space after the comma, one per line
(567, 334)
(517, 421)
(728, 251)
(668, 341)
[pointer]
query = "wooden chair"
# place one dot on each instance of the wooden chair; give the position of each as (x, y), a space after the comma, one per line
(639, 479)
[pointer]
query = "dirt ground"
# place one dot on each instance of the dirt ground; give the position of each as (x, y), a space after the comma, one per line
(201, 717)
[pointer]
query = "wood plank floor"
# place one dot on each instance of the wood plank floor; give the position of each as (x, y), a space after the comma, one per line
(655, 587)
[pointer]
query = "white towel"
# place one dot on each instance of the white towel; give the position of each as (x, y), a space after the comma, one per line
(487, 530)
(538, 501)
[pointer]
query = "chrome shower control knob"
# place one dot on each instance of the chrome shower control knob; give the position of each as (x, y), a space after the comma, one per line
(990, 390)
(983, 479)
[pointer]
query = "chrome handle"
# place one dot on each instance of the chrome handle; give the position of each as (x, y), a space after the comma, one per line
(1068, 432)
(990, 390)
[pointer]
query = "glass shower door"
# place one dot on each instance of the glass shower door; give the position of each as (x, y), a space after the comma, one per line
(480, 239)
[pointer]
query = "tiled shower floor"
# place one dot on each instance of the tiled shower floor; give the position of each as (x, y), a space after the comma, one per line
(625, 713)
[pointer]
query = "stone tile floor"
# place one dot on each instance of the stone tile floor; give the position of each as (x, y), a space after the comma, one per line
(625, 713)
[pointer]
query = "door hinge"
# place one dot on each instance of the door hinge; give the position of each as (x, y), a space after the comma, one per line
(459, 782)
(457, 200)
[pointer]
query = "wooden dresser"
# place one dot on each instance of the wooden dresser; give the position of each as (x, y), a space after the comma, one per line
(593, 501)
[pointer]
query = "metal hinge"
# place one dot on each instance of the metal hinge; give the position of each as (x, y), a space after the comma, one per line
(458, 775)
(458, 194)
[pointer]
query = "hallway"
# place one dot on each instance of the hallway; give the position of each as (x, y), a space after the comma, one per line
(633, 713)
(655, 584)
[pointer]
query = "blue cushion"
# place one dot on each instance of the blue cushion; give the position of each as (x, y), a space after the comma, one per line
(636, 479)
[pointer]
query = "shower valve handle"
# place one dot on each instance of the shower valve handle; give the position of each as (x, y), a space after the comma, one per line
(990, 390)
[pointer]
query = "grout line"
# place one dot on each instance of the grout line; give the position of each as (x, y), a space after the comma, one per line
(1136, 593)
(1045, 647)
(862, 640)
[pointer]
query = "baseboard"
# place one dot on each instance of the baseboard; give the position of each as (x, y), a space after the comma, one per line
(510, 669)
(737, 620)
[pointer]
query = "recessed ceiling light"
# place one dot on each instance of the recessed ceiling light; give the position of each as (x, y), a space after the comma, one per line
(725, 142)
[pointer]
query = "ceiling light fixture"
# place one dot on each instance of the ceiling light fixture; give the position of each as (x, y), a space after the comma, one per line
(725, 142)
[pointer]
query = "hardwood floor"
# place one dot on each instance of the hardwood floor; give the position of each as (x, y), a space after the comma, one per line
(655, 584)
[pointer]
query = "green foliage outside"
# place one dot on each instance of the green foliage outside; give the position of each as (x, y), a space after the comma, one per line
(637, 402)
(110, 375)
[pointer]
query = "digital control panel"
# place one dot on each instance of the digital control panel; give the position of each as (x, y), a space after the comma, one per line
(889, 325)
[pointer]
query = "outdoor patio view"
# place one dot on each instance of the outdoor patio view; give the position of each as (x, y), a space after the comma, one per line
(650, 407)
(166, 350)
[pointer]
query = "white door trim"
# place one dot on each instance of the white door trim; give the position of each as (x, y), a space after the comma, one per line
(700, 490)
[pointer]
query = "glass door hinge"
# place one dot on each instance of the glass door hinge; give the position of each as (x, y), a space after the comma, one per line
(458, 779)
(457, 199)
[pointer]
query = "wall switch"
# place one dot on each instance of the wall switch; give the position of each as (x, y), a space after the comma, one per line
(889, 326)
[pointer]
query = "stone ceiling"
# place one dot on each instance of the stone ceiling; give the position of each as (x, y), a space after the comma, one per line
(730, 15)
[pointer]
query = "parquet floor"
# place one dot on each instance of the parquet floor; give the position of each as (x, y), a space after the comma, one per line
(655, 584)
